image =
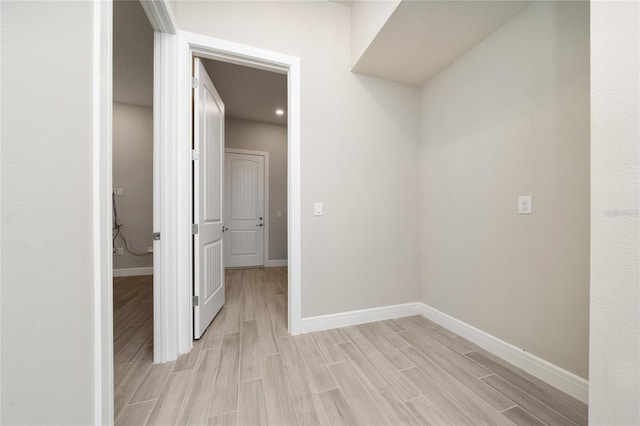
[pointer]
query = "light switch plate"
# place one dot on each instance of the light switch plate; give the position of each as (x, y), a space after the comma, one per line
(317, 209)
(524, 204)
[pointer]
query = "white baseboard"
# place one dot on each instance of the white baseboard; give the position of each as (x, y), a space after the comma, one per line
(274, 263)
(552, 374)
(132, 272)
(343, 319)
(557, 377)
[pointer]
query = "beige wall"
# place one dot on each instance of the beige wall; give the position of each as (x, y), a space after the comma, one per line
(614, 365)
(133, 172)
(47, 339)
(358, 148)
(509, 118)
(272, 138)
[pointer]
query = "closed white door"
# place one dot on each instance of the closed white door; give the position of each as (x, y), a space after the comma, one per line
(208, 271)
(244, 200)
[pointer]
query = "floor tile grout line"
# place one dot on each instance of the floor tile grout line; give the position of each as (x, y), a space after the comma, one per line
(488, 375)
(442, 389)
(341, 391)
(570, 422)
(343, 396)
(443, 353)
(527, 379)
(186, 393)
(529, 413)
(456, 380)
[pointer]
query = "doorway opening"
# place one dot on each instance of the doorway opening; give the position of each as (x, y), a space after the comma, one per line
(251, 197)
(174, 295)
(132, 202)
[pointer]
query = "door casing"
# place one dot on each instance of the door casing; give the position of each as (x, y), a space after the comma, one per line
(177, 311)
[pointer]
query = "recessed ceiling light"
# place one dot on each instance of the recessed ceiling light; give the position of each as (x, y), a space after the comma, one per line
(279, 112)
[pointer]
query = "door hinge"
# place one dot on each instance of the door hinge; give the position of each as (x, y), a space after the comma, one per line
(195, 83)
(194, 228)
(156, 236)
(194, 155)
(195, 301)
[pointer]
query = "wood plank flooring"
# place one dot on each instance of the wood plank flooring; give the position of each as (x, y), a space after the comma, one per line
(246, 370)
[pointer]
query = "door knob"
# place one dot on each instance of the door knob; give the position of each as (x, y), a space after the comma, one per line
(224, 229)
(259, 224)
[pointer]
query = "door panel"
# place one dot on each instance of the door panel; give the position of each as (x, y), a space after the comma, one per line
(244, 197)
(243, 242)
(208, 261)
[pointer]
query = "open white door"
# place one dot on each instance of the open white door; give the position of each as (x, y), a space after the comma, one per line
(244, 204)
(208, 136)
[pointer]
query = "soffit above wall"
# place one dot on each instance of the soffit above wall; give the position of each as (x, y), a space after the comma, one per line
(249, 93)
(422, 37)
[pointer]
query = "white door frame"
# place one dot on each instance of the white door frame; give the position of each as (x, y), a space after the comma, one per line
(102, 214)
(164, 25)
(163, 22)
(179, 96)
(265, 208)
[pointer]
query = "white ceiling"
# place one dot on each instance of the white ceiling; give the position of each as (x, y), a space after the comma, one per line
(422, 37)
(248, 93)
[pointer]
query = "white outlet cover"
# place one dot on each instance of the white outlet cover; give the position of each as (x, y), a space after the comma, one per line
(525, 204)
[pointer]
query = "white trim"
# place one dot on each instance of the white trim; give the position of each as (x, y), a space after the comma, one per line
(160, 15)
(294, 209)
(158, 73)
(557, 377)
(176, 211)
(132, 272)
(265, 213)
(182, 164)
(245, 151)
(101, 189)
(344, 319)
(275, 263)
(166, 196)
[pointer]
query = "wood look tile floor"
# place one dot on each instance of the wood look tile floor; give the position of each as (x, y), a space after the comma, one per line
(246, 370)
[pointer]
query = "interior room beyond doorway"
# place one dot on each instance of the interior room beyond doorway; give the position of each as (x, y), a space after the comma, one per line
(255, 124)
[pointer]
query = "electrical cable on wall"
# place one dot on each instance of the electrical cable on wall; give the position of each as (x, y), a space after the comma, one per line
(119, 232)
